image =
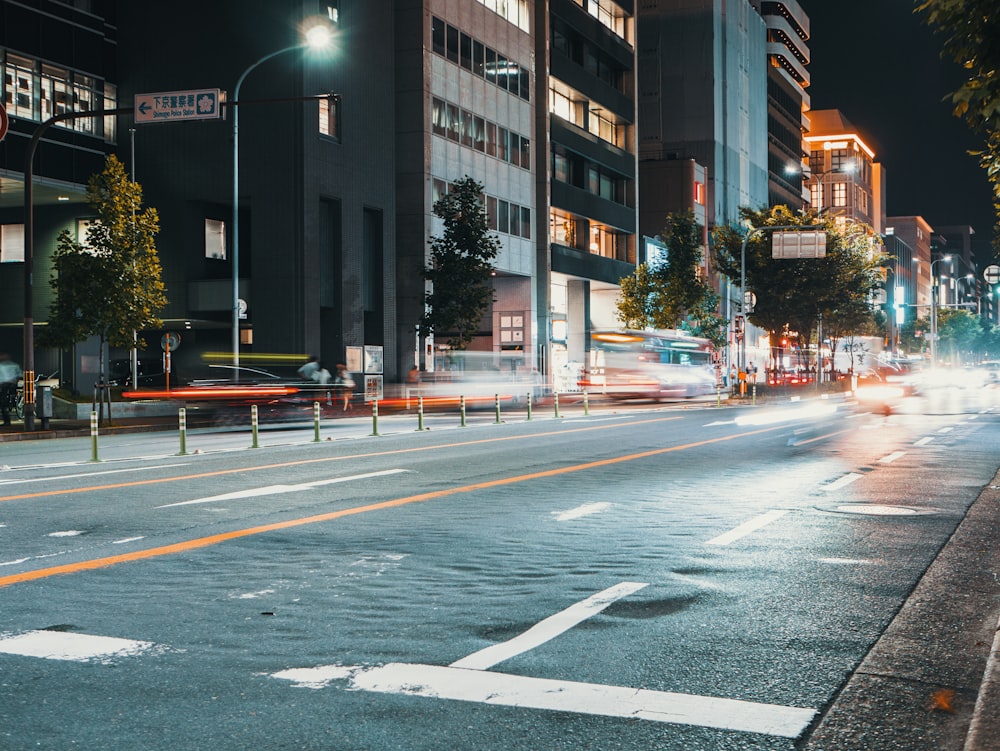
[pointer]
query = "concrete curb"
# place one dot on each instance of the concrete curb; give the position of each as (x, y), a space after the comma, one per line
(984, 729)
(932, 680)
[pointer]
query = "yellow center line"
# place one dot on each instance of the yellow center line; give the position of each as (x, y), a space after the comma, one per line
(300, 462)
(202, 542)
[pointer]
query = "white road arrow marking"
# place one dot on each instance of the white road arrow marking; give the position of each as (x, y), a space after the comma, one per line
(486, 687)
(469, 680)
(548, 629)
(60, 645)
(279, 489)
(747, 527)
(839, 483)
(584, 510)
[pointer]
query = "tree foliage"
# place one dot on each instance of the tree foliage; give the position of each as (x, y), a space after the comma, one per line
(971, 38)
(795, 293)
(111, 285)
(958, 333)
(672, 293)
(460, 266)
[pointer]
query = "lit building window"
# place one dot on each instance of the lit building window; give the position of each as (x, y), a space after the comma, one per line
(11, 243)
(840, 194)
(329, 117)
(215, 239)
(699, 193)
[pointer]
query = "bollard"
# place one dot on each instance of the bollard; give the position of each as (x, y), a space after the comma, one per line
(182, 426)
(461, 406)
(586, 405)
(420, 413)
(555, 402)
(93, 437)
(496, 402)
(753, 395)
(374, 417)
(253, 426)
(529, 405)
(315, 422)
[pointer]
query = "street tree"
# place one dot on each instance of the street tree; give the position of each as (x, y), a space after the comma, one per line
(988, 341)
(461, 266)
(109, 284)
(672, 293)
(796, 294)
(958, 332)
(970, 29)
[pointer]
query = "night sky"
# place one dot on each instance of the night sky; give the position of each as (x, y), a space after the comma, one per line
(880, 65)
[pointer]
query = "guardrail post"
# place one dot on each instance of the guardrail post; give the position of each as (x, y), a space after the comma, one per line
(374, 417)
(496, 401)
(555, 402)
(93, 437)
(420, 413)
(529, 405)
(182, 428)
(253, 426)
(316, 422)
(461, 406)
(586, 405)
(718, 396)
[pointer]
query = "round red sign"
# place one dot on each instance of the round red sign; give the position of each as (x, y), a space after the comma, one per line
(3, 121)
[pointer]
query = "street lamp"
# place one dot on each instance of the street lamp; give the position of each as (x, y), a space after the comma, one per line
(316, 37)
(934, 307)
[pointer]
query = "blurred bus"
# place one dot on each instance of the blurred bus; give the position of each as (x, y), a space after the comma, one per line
(660, 364)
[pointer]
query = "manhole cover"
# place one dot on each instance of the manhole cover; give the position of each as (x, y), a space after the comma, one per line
(881, 509)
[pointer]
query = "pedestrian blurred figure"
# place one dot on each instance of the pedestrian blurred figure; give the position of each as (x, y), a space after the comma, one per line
(322, 376)
(344, 384)
(309, 368)
(413, 377)
(10, 372)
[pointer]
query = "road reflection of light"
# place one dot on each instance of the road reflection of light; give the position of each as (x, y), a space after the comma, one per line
(880, 394)
(804, 412)
(953, 378)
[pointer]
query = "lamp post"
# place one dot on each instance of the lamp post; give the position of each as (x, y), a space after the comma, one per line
(316, 37)
(934, 308)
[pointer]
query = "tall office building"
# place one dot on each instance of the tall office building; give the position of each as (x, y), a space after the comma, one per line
(466, 95)
(313, 191)
(916, 235)
(534, 100)
(57, 58)
(589, 199)
(787, 99)
(702, 95)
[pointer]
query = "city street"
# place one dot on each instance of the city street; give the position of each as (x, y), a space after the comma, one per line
(678, 578)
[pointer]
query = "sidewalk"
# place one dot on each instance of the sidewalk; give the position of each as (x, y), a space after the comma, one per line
(62, 428)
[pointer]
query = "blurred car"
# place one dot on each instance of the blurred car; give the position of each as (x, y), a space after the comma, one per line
(991, 370)
(900, 374)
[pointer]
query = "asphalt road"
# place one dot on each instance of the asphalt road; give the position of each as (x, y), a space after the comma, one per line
(679, 579)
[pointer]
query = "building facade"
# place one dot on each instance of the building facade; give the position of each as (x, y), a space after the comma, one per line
(588, 177)
(57, 58)
(843, 178)
(787, 100)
